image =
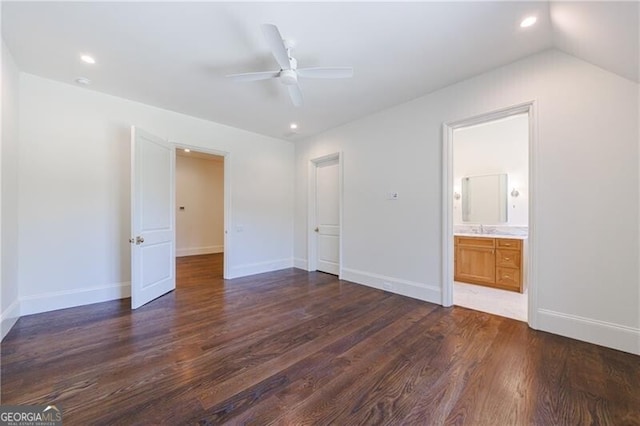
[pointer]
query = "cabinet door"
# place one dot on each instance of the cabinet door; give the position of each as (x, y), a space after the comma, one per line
(475, 264)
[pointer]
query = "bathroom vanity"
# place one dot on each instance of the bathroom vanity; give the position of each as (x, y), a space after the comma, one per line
(489, 249)
(490, 261)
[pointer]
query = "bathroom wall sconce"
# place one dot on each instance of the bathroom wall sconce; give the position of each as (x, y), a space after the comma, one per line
(514, 193)
(456, 195)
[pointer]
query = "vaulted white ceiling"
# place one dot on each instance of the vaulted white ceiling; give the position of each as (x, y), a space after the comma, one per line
(175, 55)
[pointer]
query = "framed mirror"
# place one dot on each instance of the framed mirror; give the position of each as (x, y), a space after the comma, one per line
(484, 199)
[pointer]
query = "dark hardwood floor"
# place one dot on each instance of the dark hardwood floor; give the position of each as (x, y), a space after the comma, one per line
(292, 347)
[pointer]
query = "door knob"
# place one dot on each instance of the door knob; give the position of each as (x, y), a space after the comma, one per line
(316, 230)
(139, 239)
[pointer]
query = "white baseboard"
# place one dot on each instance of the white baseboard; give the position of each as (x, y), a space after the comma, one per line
(259, 268)
(67, 299)
(415, 290)
(300, 263)
(601, 333)
(194, 251)
(9, 318)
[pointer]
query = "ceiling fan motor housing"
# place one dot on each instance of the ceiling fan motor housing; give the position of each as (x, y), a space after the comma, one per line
(288, 77)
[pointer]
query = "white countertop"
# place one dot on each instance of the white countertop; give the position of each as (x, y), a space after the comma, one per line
(496, 235)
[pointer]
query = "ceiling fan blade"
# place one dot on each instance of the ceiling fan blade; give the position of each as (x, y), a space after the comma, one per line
(334, 72)
(275, 42)
(254, 76)
(296, 94)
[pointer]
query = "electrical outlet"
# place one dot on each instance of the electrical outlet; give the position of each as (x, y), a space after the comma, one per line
(387, 285)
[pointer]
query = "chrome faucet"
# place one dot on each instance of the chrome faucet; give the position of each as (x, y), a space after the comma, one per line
(481, 229)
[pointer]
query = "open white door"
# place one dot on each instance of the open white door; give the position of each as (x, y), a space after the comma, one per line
(153, 261)
(328, 216)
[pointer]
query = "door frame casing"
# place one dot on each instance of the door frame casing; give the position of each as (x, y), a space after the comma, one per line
(531, 256)
(227, 196)
(312, 238)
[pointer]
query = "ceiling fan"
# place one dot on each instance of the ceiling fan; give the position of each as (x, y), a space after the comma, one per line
(289, 71)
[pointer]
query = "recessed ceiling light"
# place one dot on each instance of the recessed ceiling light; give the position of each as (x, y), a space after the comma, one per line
(528, 21)
(293, 126)
(187, 150)
(83, 81)
(88, 59)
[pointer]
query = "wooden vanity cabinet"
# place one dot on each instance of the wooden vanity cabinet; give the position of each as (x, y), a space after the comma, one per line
(493, 262)
(475, 260)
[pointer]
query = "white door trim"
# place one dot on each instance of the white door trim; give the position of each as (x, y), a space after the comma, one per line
(447, 202)
(227, 197)
(312, 258)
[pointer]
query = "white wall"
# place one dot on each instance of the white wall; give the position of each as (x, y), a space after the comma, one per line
(200, 190)
(586, 199)
(74, 203)
(9, 306)
(500, 146)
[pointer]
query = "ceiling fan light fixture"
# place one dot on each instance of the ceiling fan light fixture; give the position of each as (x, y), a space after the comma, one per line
(293, 126)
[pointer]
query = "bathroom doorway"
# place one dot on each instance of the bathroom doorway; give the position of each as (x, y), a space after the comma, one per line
(487, 213)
